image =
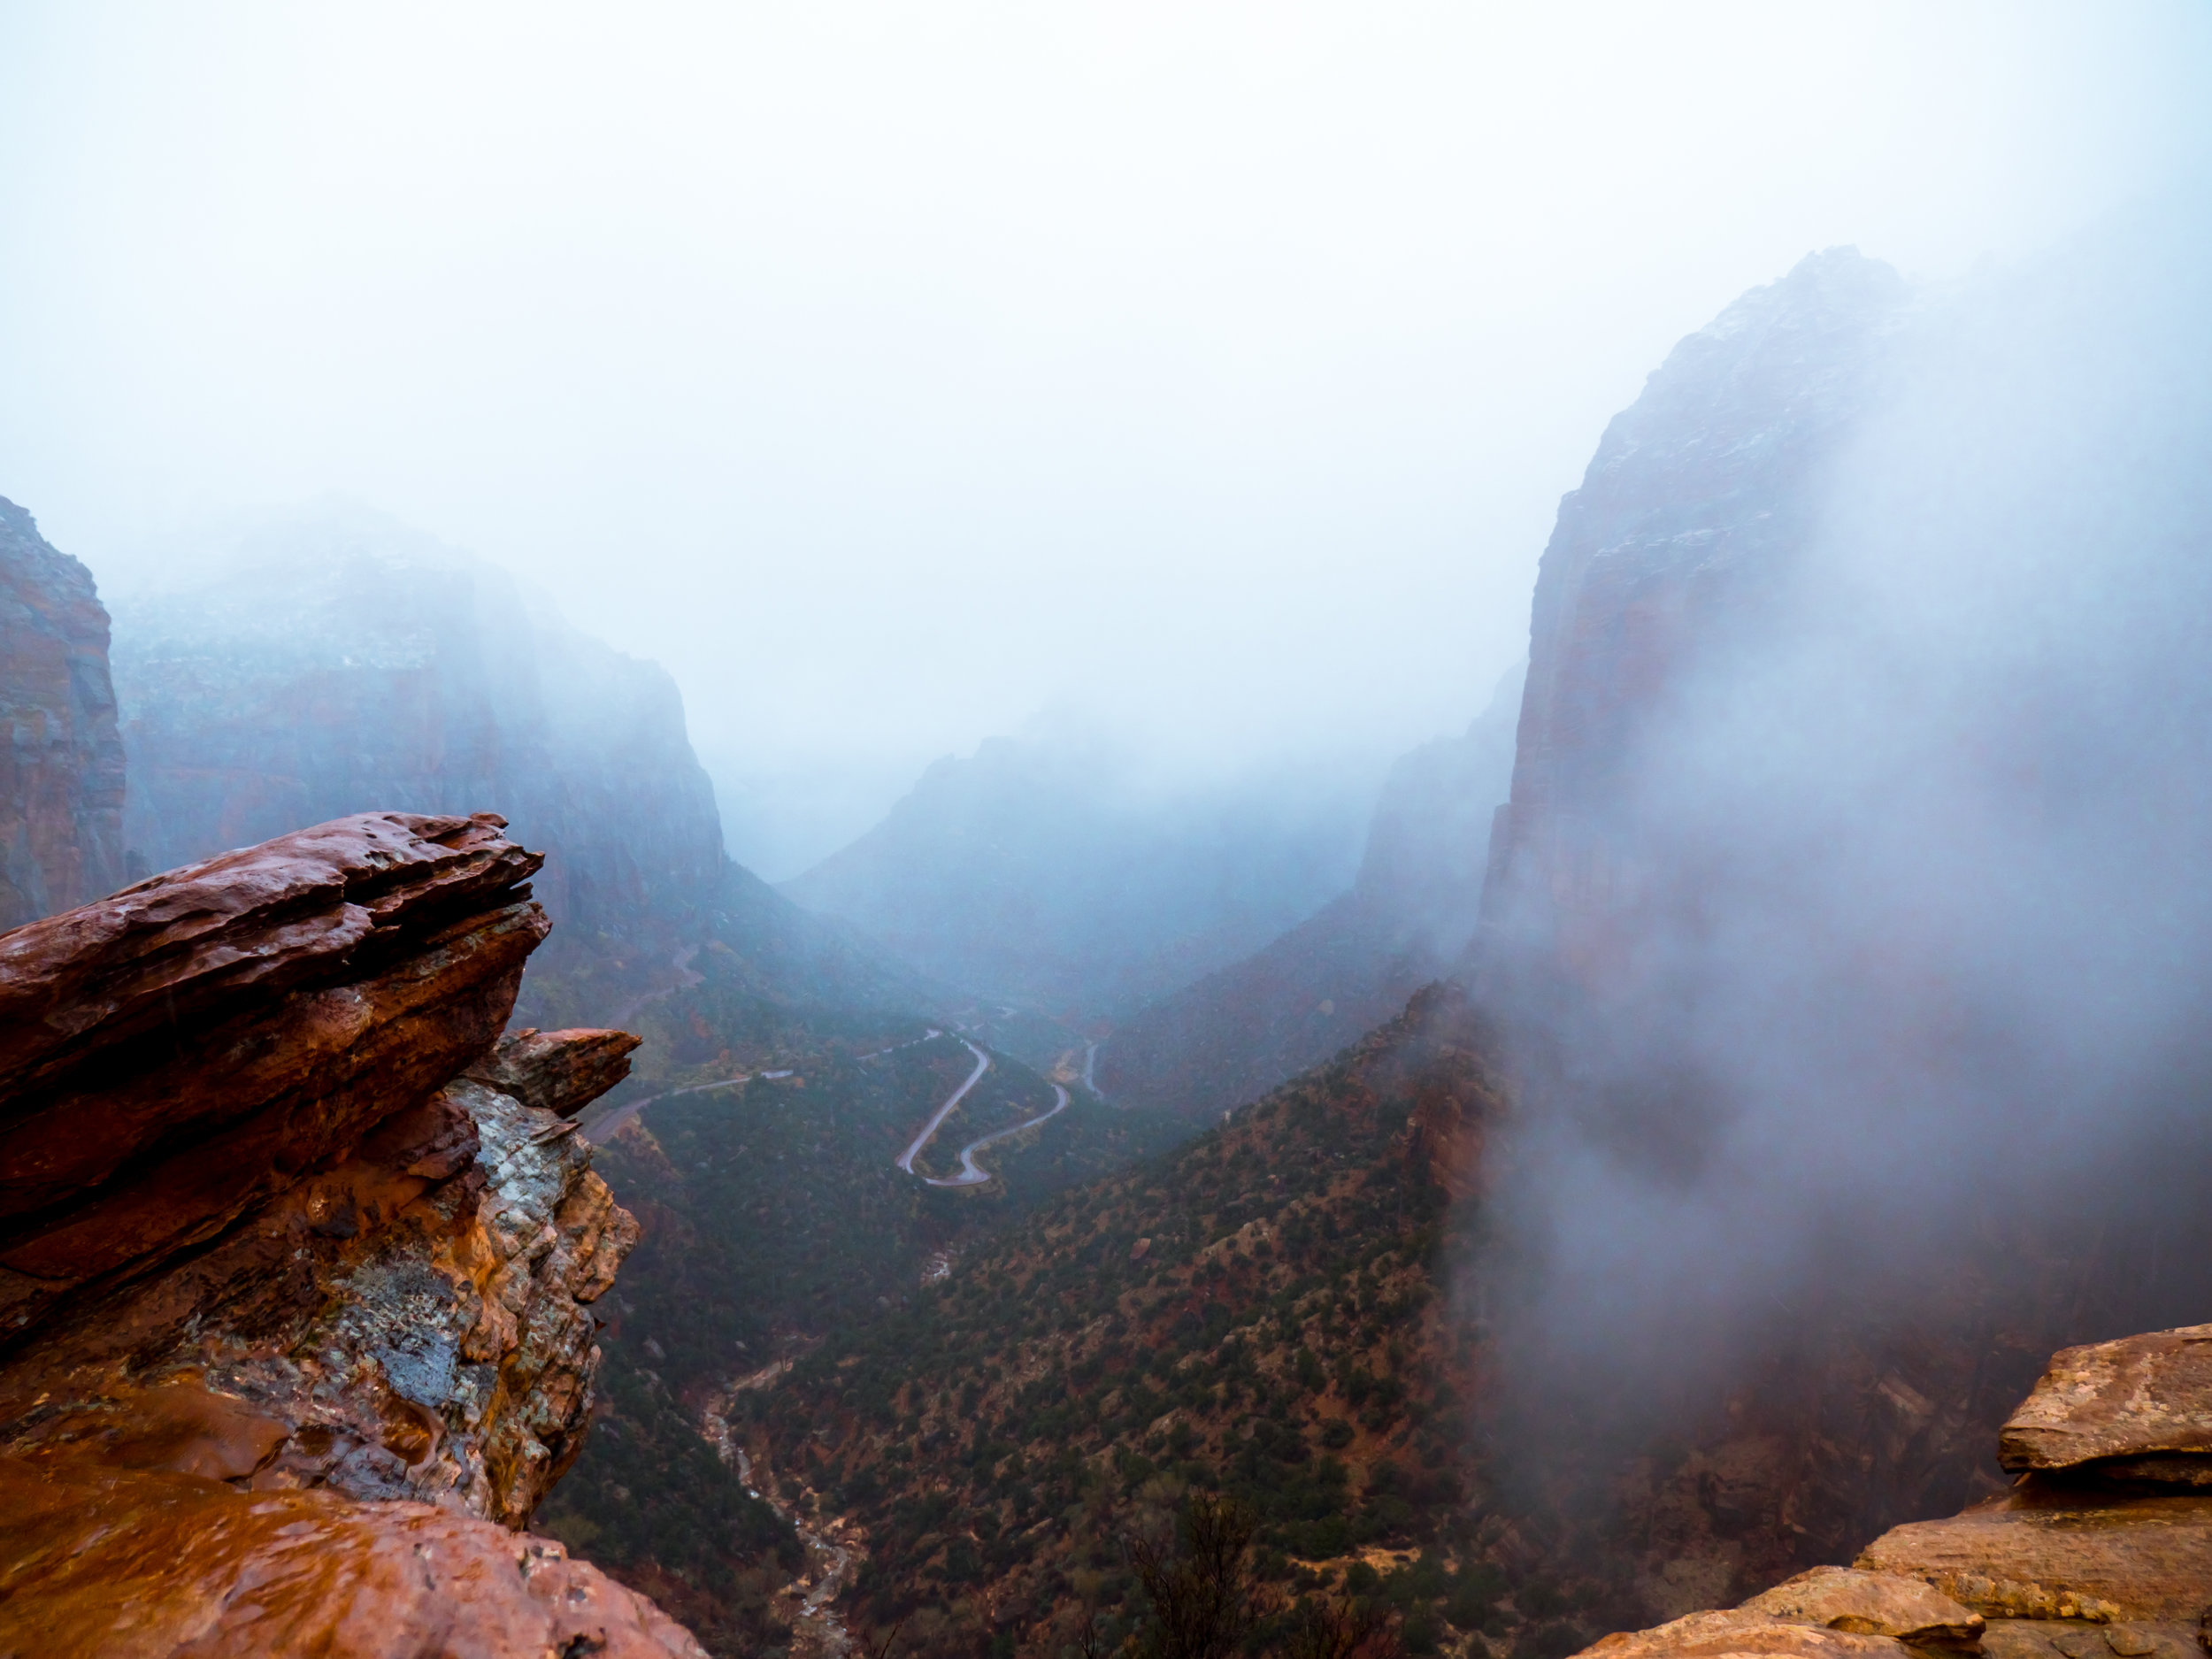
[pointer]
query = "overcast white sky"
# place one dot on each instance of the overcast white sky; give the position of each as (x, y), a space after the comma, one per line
(891, 371)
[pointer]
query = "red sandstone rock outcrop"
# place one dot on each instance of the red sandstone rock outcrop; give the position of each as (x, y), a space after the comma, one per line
(61, 762)
(2139, 1408)
(97, 1560)
(297, 1257)
(2090, 1558)
(559, 1072)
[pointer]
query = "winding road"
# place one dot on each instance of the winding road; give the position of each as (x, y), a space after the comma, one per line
(906, 1158)
(972, 1174)
(601, 1128)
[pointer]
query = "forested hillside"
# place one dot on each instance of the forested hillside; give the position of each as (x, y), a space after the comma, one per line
(1261, 1314)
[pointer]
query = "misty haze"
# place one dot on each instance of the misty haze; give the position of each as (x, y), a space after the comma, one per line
(858, 833)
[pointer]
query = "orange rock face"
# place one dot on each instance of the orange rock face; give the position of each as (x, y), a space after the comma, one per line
(296, 1258)
(172, 1054)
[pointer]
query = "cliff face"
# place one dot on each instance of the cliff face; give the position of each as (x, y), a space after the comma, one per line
(1849, 916)
(1348, 968)
(297, 1254)
(61, 764)
(346, 665)
(1703, 497)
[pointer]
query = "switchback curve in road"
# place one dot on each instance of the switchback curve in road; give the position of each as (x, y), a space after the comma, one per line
(970, 1174)
(982, 1064)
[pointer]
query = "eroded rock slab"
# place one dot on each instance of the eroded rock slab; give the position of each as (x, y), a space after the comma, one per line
(297, 1315)
(2144, 1401)
(1871, 1604)
(2036, 1554)
(2057, 1638)
(176, 1053)
(559, 1072)
(1740, 1631)
(415, 1327)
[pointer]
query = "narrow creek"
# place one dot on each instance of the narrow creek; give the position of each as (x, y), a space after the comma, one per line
(818, 1630)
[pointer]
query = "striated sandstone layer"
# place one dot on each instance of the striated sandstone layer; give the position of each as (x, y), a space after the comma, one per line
(61, 761)
(299, 1253)
(189, 1046)
(2040, 1554)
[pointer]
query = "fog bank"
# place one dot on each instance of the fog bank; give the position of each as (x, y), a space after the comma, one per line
(1874, 962)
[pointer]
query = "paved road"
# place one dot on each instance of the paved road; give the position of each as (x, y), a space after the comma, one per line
(982, 1064)
(685, 979)
(970, 1175)
(600, 1125)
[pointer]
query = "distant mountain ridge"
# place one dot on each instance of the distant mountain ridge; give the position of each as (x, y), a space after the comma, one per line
(339, 662)
(1350, 967)
(1039, 872)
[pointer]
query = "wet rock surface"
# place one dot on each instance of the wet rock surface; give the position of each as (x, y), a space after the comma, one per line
(307, 1332)
(2063, 1554)
(174, 1053)
(1740, 1631)
(99, 1560)
(559, 1072)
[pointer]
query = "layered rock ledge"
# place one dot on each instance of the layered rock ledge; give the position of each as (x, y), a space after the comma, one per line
(2101, 1549)
(296, 1260)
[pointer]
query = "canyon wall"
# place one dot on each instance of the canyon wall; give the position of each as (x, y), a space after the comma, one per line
(343, 664)
(1849, 917)
(297, 1250)
(61, 764)
(1701, 499)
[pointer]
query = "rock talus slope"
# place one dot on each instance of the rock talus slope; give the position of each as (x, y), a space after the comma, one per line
(61, 761)
(298, 1253)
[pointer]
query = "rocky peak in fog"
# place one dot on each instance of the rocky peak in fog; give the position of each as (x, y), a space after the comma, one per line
(1699, 497)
